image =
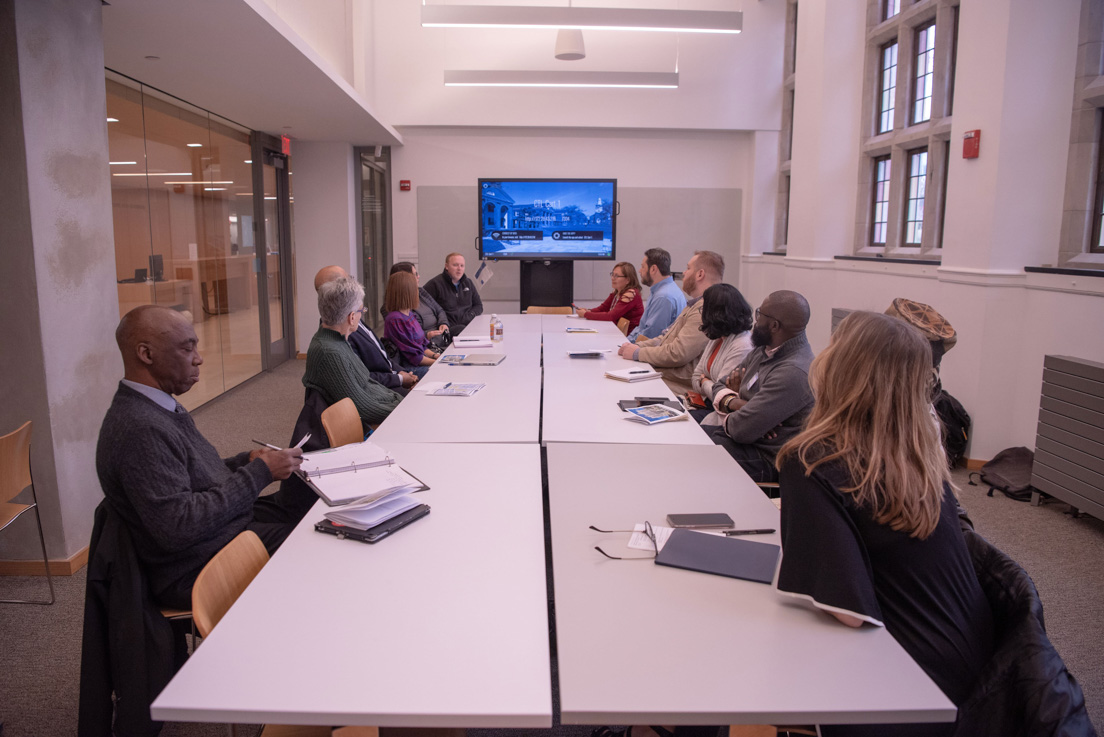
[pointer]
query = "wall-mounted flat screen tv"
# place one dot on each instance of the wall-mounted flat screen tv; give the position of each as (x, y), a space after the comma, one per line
(542, 219)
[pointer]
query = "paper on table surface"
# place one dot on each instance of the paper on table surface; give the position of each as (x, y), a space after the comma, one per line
(427, 386)
(640, 541)
(365, 517)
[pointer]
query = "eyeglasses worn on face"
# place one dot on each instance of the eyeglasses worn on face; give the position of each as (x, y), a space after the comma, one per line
(615, 275)
(759, 312)
(648, 532)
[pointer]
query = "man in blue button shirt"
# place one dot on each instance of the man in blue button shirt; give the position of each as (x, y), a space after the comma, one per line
(666, 300)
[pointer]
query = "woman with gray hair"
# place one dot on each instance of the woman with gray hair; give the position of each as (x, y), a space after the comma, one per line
(333, 367)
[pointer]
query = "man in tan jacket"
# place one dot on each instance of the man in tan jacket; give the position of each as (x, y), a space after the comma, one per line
(676, 351)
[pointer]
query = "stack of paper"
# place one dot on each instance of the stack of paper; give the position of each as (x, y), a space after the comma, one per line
(374, 509)
(452, 389)
(471, 342)
(581, 329)
(633, 374)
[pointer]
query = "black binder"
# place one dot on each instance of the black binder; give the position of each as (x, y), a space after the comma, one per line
(721, 556)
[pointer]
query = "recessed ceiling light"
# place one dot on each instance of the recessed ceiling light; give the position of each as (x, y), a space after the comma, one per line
(195, 145)
(249, 161)
(198, 182)
(214, 189)
(112, 120)
(122, 163)
(156, 174)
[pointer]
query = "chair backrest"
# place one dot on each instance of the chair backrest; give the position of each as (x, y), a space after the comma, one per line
(342, 423)
(15, 462)
(623, 325)
(224, 578)
(541, 310)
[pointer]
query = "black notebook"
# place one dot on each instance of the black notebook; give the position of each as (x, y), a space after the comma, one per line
(722, 556)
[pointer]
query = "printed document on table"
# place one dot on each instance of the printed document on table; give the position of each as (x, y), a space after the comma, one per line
(363, 518)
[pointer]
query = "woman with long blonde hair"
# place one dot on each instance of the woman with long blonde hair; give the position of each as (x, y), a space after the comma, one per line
(870, 529)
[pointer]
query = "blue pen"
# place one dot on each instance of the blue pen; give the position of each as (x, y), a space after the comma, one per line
(446, 386)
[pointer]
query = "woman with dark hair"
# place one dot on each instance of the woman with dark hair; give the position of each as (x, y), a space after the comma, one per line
(623, 301)
(401, 326)
(431, 316)
(726, 321)
(870, 527)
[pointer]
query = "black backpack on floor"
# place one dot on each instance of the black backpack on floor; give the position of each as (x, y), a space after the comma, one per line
(1008, 472)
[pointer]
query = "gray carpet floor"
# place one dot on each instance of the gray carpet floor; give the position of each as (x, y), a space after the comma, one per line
(40, 645)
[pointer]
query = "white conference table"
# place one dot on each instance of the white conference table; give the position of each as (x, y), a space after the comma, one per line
(640, 643)
(444, 624)
(580, 403)
(506, 410)
(521, 338)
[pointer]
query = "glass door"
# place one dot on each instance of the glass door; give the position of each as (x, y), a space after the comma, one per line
(273, 265)
(374, 219)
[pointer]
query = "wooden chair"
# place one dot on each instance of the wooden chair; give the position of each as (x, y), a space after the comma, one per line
(15, 476)
(219, 585)
(224, 578)
(543, 310)
(342, 423)
(623, 325)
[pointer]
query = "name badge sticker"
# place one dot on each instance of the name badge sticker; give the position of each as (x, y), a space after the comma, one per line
(752, 380)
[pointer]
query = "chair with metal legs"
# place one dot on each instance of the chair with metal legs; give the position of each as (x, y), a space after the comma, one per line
(15, 476)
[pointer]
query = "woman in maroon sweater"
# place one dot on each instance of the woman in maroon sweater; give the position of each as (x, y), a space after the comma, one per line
(624, 300)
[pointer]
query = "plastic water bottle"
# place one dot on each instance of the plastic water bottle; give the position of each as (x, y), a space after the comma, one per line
(498, 328)
(494, 319)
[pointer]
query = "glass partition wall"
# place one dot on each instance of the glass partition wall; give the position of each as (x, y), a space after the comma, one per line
(182, 201)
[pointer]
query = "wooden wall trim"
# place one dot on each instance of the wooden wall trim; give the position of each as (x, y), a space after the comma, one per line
(62, 567)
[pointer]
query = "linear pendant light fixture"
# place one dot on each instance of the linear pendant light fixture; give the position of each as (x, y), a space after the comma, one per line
(517, 78)
(608, 19)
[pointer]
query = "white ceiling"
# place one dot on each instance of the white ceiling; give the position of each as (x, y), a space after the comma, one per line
(241, 61)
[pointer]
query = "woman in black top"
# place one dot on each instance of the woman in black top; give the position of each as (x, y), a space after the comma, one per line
(870, 530)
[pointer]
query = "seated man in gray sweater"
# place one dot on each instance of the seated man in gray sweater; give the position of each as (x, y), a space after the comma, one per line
(768, 396)
(181, 502)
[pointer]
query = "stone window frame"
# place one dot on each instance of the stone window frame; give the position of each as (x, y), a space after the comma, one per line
(933, 134)
(785, 139)
(1081, 216)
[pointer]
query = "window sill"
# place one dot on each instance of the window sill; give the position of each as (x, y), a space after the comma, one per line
(1064, 271)
(891, 260)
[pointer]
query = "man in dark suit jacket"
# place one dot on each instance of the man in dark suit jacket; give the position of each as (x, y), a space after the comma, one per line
(456, 293)
(367, 345)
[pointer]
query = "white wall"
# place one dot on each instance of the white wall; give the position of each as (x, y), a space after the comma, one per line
(721, 76)
(328, 28)
(1014, 82)
(324, 223)
(675, 159)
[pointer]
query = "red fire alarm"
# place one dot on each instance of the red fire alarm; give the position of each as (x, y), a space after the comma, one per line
(404, 185)
(285, 145)
(971, 144)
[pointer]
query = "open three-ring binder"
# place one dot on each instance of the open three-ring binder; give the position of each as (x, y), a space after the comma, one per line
(355, 472)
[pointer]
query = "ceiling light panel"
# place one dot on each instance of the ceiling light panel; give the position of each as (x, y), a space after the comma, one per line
(609, 19)
(511, 78)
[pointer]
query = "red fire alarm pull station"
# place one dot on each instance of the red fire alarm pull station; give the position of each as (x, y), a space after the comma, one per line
(971, 144)
(404, 185)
